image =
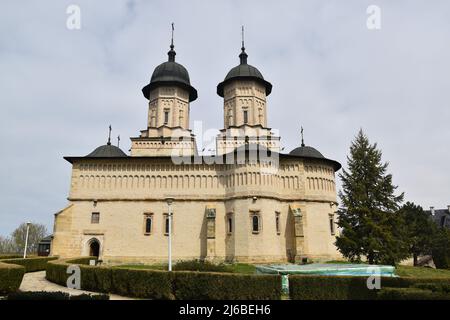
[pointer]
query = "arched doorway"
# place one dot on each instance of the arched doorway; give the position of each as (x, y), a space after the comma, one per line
(94, 248)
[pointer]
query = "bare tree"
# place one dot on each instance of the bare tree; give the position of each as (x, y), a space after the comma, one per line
(36, 233)
(6, 245)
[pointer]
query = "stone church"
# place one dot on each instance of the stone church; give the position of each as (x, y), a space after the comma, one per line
(248, 202)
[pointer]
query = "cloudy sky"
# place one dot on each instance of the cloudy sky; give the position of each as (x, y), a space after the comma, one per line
(61, 88)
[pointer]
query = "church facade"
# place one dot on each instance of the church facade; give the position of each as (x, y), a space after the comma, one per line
(248, 202)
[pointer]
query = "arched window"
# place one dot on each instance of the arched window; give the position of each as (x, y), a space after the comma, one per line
(148, 223)
(255, 223)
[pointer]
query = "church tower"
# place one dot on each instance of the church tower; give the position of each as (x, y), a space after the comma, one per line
(169, 94)
(244, 92)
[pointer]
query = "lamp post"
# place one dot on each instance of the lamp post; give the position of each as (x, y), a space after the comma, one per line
(169, 214)
(26, 240)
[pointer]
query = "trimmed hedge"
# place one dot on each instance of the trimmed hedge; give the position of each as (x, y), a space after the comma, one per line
(10, 256)
(225, 286)
(31, 264)
(11, 276)
(198, 265)
(329, 288)
(152, 284)
(355, 288)
(156, 284)
(411, 294)
(56, 271)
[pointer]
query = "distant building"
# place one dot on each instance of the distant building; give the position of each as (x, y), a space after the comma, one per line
(440, 216)
(44, 246)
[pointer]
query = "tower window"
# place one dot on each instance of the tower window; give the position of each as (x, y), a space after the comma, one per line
(166, 116)
(256, 222)
(95, 217)
(148, 223)
(277, 222)
(332, 229)
(245, 116)
(230, 225)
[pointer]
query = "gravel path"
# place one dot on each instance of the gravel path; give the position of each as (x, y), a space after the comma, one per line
(35, 281)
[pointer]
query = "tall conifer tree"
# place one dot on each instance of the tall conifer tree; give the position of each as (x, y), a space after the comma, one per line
(370, 224)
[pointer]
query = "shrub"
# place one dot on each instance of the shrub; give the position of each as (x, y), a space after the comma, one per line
(31, 264)
(96, 278)
(156, 284)
(222, 286)
(153, 284)
(10, 277)
(10, 256)
(441, 249)
(150, 284)
(56, 271)
(329, 288)
(411, 294)
(198, 265)
(434, 287)
(355, 288)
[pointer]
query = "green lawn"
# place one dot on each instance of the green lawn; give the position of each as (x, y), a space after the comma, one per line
(421, 272)
(235, 267)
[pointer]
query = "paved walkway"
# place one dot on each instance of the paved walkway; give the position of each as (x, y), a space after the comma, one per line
(35, 281)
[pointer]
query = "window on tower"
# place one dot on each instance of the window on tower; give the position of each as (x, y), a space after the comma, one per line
(277, 222)
(166, 116)
(332, 229)
(148, 223)
(95, 217)
(245, 116)
(256, 222)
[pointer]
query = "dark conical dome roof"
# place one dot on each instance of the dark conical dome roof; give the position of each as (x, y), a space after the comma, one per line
(107, 151)
(170, 73)
(244, 71)
(307, 152)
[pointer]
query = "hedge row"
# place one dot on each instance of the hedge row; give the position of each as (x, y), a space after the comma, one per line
(411, 294)
(156, 284)
(355, 288)
(10, 256)
(10, 277)
(189, 285)
(31, 264)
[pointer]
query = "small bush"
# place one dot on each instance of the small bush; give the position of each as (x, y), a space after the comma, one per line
(31, 264)
(222, 286)
(411, 294)
(10, 277)
(198, 265)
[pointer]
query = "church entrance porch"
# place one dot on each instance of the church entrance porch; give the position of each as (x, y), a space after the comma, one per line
(94, 248)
